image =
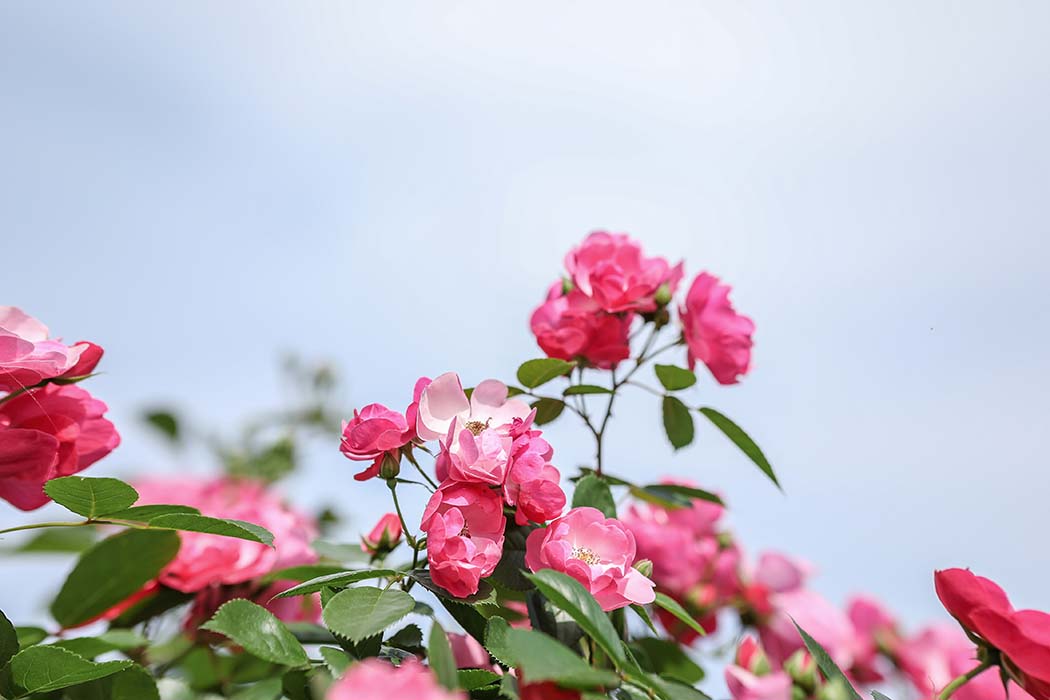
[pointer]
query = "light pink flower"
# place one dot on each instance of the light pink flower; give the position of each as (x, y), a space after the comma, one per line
(373, 679)
(384, 537)
(27, 357)
(46, 433)
(480, 458)
(714, 332)
(751, 678)
(573, 326)
(610, 268)
(445, 410)
(823, 621)
(598, 552)
(206, 560)
(464, 525)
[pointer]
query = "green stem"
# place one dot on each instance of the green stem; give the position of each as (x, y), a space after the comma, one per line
(397, 506)
(36, 526)
(963, 680)
(411, 458)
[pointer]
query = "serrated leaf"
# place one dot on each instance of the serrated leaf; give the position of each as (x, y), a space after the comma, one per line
(674, 607)
(335, 659)
(358, 613)
(542, 658)
(143, 514)
(260, 633)
(586, 389)
(439, 656)
(678, 422)
(91, 497)
(213, 526)
(547, 410)
(674, 378)
(742, 440)
(828, 667)
(408, 638)
(534, 373)
(41, 669)
(8, 639)
(475, 678)
(111, 640)
(569, 594)
(110, 572)
(337, 580)
(593, 491)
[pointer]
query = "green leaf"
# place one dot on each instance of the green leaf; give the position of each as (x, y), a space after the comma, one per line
(8, 639)
(568, 594)
(593, 491)
(268, 689)
(832, 672)
(678, 422)
(143, 514)
(134, 683)
(63, 540)
(260, 633)
(509, 572)
(547, 410)
(674, 378)
(644, 614)
(475, 678)
(586, 389)
(213, 526)
(672, 606)
(336, 660)
(667, 659)
(408, 638)
(28, 636)
(534, 373)
(741, 440)
(44, 668)
(111, 640)
(303, 572)
(439, 655)
(671, 689)
(468, 617)
(337, 580)
(358, 613)
(91, 497)
(682, 495)
(878, 696)
(345, 553)
(542, 658)
(110, 572)
(165, 422)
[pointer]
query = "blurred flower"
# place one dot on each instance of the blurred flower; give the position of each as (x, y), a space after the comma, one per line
(876, 633)
(714, 332)
(373, 679)
(751, 678)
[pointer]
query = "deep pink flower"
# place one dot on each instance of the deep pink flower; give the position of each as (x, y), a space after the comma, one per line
(373, 679)
(464, 525)
(467, 652)
(46, 433)
(610, 268)
(444, 408)
(377, 433)
(207, 560)
(876, 633)
(714, 332)
(27, 357)
(750, 677)
(384, 537)
(572, 326)
(598, 552)
(480, 458)
(532, 485)
(546, 691)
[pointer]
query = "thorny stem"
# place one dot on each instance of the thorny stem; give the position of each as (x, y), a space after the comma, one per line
(963, 680)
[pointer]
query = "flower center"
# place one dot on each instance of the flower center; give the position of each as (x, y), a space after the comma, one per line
(465, 532)
(586, 555)
(476, 426)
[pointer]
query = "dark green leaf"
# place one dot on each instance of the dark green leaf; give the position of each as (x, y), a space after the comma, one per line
(568, 594)
(832, 672)
(534, 373)
(878, 696)
(357, 613)
(260, 633)
(110, 572)
(593, 491)
(337, 580)
(671, 689)
(468, 617)
(439, 655)
(335, 659)
(165, 422)
(213, 526)
(268, 689)
(8, 639)
(678, 422)
(674, 378)
(509, 572)
(157, 603)
(541, 658)
(475, 678)
(586, 389)
(682, 494)
(547, 410)
(41, 669)
(28, 636)
(644, 614)
(63, 540)
(672, 606)
(741, 440)
(143, 514)
(408, 638)
(91, 497)
(667, 659)
(134, 683)
(304, 572)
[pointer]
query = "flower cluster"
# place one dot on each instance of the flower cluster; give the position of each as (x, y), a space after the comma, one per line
(48, 428)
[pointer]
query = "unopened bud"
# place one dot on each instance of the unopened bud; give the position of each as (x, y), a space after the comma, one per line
(803, 670)
(835, 689)
(663, 295)
(644, 567)
(391, 465)
(384, 537)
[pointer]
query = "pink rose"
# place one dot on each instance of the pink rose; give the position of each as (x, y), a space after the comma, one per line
(384, 537)
(27, 357)
(610, 269)
(876, 633)
(751, 678)
(373, 679)
(480, 458)
(596, 551)
(467, 652)
(371, 434)
(813, 613)
(46, 433)
(464, 525)
(532, 485)
(444, 408)
(206, 560)
(571, 326)
(714, 332)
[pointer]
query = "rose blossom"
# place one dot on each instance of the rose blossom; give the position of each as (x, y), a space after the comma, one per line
(445, 410)
(376, 432)
(27, 357)
(714, 332)
(384, 537)
(596, 551)
(876, 632)
(467, 652)
(373, 679)
(464, 525)
(1023, 636)
(610, 268)
(751, 678)
(571, 326)
(532, 484)
(205, 560)
(46, 433)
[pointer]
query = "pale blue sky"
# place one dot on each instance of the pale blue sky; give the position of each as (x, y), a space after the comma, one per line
(200, 186)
